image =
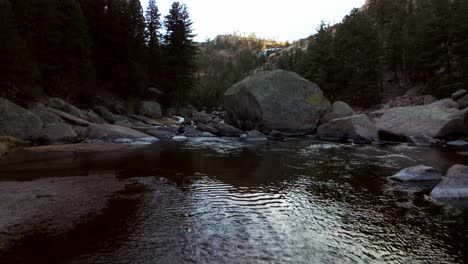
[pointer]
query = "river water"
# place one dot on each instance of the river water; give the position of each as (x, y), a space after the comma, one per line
(228, 201)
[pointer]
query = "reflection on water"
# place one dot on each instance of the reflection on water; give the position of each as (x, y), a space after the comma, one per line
(226, 201)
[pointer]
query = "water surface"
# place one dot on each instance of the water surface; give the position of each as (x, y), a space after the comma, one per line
(228, 201)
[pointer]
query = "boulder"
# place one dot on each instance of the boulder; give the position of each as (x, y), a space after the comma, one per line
(207, 128)
(423, 141)
(7, 144)
(418, 173)
(458, 94)
(254, 135)
(92, 117)
(338, 110)
(429, 99)
(60, 133)
(202, 117)
(463, 102)
(275, 100)
(107, 115)
(111, 132)
(18, 122)
(124, 123)
(146, 120)
(70, 118)
(160, 133)
(358, 128)
(437, 120)
(151, 109)
(228, 131)
(276, 135)
(446, 103)
(59, 104)
(454, 185)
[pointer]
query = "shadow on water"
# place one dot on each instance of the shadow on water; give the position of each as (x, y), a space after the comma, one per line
(235, 202)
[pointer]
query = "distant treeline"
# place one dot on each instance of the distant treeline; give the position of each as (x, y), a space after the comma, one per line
(405, 42)
(70, 47)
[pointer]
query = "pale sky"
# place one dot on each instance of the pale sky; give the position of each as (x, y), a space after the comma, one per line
(281, 20)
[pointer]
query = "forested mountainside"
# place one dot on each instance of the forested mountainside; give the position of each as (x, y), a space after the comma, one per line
(385, 47)
(225, 60)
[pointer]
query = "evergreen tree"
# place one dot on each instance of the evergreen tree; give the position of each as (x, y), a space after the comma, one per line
(137, 48)
(179, 55)
(152, 37)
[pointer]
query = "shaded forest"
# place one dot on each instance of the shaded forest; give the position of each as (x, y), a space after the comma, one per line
(70, 48)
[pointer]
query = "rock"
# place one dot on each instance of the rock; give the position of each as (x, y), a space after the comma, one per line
(358, 128)
(155, 91)
(463, 102)
(255, 135)
(206, 134)
(148, 139)
(192, 132)
(275, 100)
(446, 103)
(454, 185)
(418, 173)
(457, 143)
(48, 117)
(59, 104)
(107, 115)
(179, 138)
(423, 141)
(60, 133)
(437, 120)
(124, 123)
(8, 144)
(338, 110)
(207, 128)
(429, 99)
(151, 109)
(122, 141)
(146, 120)
(111, 132)
(228, 131)
(458, 94)
(202, 117)
(160, 133)
(92, 117)
(276, 135)
(70, 118)
(18, 122)
(81, 132)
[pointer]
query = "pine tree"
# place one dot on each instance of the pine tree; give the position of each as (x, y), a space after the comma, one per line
(180, 54)
(137, 48)
(152, 37)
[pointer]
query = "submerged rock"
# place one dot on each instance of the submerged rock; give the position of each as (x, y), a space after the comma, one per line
(18, 122)
(418, 173)
(357, 128)
(454, 185)
(275, 100)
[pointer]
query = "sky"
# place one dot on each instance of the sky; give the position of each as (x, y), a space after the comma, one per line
(282, 20)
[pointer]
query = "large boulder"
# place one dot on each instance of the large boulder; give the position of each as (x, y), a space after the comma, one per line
(454, 185)
(18, 122)
(437, 120)
(54, 129)
(358, 128)
(107, 115)
(228, 130)
(63, 106)
(151, 109)
(92, 117)
(275, 100)
(418, 173)
(111, 132)
(338, 110)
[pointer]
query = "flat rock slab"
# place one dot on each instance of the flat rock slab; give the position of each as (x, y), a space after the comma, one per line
(418, 173)
(83, 147)
(52, 205)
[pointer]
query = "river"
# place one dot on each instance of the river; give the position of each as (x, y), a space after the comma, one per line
(229, 201)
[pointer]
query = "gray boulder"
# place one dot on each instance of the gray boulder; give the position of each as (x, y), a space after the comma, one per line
(358, 128)
(151, 109)
(111, 132)
(437, 120)
(228, 131)
(63, 106)
(18, 122)
(338, 110)
(454, 185)
(418, 173)
(458, 94)
(275, 100)
(92, 117)
(70, 118)
(107, 115)
(207, 128)
(161, 133)
(54, 129)
(255, 135)
(463, 102)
